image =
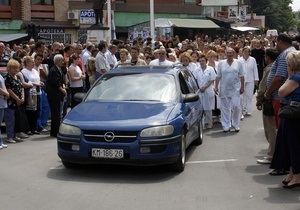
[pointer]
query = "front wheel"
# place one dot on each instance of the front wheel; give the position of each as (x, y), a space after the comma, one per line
(179, 165)
(199, 139)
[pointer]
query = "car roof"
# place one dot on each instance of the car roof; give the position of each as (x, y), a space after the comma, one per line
(147, 69)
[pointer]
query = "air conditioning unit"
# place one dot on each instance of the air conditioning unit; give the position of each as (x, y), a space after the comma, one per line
(73, 15)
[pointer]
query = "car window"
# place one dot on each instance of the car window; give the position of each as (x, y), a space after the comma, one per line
(190, 82)
(134, 87)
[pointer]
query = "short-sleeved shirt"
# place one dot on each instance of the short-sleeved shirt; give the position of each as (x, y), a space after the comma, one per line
(14, 85)
(3, 102)
(296, 93)
(279, 68)
(4, 59)
(230, 78)
(101, 62)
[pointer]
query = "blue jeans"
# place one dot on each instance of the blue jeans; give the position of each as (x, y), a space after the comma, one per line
(9, 118)
(44, 111)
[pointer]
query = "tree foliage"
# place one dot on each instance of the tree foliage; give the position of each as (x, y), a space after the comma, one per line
(279, 14)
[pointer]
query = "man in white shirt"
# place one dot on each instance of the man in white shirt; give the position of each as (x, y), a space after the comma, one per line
(231, 78)
(110, 55)
(102, 65)
(162, 59)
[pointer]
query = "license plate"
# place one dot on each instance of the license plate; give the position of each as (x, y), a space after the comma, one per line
(107, 153)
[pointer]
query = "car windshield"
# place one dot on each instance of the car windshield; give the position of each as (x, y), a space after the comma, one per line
(134, 87)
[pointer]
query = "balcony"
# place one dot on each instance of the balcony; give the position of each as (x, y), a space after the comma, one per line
(5, 12)
(42, 12)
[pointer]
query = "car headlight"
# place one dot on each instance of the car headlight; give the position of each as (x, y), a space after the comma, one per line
(69, 130)
(158, 131)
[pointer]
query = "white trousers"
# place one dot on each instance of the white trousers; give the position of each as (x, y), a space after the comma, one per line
(230, 112)
(208, 117)
(247, 96)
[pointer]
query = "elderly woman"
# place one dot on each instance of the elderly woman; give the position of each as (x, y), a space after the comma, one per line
(56, 92)
(287, 149)
(123, 56)
(206, 76)
(187, 61)
(16, 99)
(33, 106)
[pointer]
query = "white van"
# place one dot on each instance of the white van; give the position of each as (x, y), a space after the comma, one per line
(272, 32)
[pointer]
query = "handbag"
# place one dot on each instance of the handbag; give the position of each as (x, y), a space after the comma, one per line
(290, 111)
(268, 108)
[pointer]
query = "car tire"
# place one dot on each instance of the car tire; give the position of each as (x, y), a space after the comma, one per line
(179, 165)
(199, 140)
(69, 164)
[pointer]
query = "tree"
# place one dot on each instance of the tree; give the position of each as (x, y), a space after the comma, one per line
(279, 15)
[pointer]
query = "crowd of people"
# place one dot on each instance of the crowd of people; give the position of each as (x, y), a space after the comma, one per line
(42, 80)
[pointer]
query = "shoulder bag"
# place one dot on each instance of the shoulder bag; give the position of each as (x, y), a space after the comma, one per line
(290, 111)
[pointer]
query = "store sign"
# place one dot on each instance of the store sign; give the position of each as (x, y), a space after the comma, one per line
(52, 30)
(87, 17)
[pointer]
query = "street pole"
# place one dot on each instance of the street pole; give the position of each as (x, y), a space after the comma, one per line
(152, 19)
(109, 19)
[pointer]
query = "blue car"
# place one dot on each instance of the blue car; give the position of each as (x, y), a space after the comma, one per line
(134, 115)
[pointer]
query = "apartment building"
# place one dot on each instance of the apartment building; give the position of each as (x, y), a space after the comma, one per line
(68, 20)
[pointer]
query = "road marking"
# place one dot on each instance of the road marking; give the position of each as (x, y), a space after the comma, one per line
(210, 161)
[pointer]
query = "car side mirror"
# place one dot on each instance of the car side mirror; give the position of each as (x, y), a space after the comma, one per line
(191, 97)
(79, 96)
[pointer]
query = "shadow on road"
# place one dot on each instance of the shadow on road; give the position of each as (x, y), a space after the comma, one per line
(116, 173)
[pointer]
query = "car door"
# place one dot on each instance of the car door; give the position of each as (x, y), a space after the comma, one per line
(192, 111)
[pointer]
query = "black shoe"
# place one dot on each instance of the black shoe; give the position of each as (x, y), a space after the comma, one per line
(226, 131)
(285, 182)
(291, 186)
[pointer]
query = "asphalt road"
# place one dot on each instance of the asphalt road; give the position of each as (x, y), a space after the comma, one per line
(222, 173)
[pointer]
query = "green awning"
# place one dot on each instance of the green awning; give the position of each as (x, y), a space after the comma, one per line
(184, 23)
(11, 37)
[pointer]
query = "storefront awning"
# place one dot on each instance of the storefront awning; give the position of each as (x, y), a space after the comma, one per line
(184, 23)
(244, 28)
(11, 37)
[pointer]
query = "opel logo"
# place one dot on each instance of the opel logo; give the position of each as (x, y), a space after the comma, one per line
(109, 136)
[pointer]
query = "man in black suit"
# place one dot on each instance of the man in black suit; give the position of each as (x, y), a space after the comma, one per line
(56, 92)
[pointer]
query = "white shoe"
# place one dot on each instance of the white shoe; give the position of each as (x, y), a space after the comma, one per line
(11, 141)
(22, 135)
(4, 146)
(237, 129)
(264, 161)
(1, 147)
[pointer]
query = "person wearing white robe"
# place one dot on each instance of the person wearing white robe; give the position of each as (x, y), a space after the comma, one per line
(231, 78)
(205, 77)
(251, 78)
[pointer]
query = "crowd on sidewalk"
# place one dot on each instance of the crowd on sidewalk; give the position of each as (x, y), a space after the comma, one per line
(42, 80)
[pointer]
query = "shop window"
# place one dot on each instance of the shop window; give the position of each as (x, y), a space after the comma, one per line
(4, 2)
(5, 9)
(42, 9)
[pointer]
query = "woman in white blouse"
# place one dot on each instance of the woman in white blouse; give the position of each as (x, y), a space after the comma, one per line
(33, 101)
(76, 78)
(206, 76)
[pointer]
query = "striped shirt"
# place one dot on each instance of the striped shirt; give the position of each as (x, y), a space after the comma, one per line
(4, 59)
(279, 68)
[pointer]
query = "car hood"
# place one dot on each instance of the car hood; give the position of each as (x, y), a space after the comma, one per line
(95, 114)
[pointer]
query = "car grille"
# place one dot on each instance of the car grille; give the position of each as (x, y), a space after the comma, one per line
(119, 136)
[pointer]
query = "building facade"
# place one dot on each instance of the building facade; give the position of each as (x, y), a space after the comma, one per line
(68, 20)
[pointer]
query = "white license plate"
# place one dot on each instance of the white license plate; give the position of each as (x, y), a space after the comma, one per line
(107, 153)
